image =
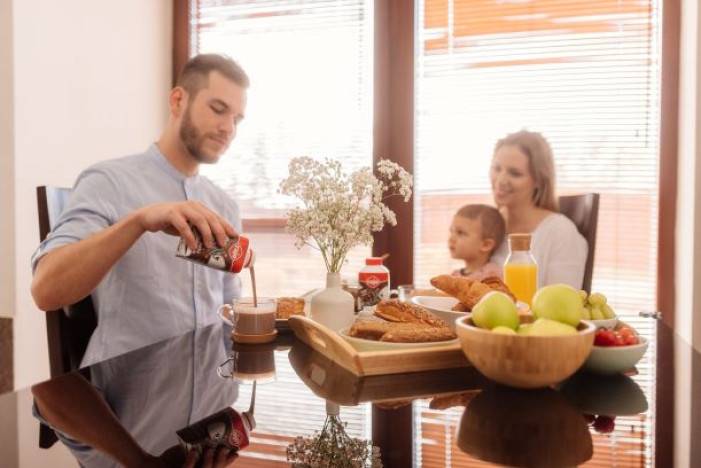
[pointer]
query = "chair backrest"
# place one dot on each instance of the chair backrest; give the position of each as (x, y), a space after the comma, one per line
(68, 330)
(583, 210)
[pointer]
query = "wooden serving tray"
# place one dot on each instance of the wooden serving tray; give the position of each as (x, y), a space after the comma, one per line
(335, 348)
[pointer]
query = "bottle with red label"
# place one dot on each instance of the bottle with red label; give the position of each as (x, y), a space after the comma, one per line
(374, 282)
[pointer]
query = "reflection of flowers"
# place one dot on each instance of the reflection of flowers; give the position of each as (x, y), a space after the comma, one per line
(332, 447)
(341, 211)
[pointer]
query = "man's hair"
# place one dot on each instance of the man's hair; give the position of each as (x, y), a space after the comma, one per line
(195, 74)
(491, 221)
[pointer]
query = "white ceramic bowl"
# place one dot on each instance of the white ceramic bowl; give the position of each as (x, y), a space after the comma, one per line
(362, 344)
(441, 306)
(608, 324)
(615, 359)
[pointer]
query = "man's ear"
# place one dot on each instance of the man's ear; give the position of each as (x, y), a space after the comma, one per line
(177, 101)
(487, 245)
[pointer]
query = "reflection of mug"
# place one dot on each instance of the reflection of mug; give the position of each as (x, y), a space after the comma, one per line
(250, 363)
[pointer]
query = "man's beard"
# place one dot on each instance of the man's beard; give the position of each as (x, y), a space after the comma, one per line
(193, 140)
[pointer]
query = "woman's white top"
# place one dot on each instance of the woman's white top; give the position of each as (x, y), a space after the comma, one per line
(559, 249)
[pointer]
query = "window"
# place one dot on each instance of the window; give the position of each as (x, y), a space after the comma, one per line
(584, 73)
(310, 66)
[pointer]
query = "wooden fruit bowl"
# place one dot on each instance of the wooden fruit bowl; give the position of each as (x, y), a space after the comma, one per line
(525, 361)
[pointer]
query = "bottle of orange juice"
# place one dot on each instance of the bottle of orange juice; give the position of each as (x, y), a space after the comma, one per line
(521, 269)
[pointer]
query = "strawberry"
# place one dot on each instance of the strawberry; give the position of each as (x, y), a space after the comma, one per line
(630, 340)
(605, 338)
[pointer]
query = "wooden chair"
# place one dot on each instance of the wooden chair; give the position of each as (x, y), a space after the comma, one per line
(68, 330)
(583, 210)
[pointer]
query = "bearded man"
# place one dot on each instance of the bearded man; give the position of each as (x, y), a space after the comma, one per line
(117, 237)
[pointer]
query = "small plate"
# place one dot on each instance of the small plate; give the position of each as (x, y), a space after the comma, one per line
(362, 344)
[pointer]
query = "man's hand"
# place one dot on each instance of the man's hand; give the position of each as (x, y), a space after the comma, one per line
(173, 218)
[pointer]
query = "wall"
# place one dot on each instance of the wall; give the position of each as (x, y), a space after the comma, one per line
(7, 248)
(90, 83)
(688, 229)
(688, 258)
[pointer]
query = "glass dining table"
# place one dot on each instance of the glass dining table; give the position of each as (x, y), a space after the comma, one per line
(440, 418)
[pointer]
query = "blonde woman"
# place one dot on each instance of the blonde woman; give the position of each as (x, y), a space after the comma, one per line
(523, 184)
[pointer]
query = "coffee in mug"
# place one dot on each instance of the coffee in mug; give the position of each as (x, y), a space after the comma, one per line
(249, 319)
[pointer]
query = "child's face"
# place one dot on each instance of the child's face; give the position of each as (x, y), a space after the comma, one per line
(465, 241)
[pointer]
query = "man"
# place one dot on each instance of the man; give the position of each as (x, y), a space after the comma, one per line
(117, 237)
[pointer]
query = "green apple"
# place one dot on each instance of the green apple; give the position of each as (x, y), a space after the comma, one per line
(524, 328)
(559, 302)
(495, 309)
(547, 327)
(503, 330)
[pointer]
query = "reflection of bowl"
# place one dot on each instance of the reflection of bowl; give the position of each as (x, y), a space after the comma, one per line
(524, 428)
(373, 345)
(525, 361)
(612, 395)
(615, 359)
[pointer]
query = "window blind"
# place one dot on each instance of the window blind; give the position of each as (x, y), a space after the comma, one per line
(310, 65)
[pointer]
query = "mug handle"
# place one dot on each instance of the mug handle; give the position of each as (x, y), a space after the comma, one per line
(221, 369)
(229, 317)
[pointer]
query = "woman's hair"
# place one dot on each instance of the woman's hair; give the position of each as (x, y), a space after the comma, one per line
(540, 163)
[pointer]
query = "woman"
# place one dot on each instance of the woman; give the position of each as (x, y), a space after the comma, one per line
(523, 184)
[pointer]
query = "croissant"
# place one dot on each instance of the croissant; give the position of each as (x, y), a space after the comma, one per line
(497, 284)
(468, 291)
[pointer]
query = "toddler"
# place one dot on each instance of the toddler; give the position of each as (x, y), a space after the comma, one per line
(476, 231)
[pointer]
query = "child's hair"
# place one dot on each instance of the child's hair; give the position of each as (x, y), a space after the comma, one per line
(491, 221)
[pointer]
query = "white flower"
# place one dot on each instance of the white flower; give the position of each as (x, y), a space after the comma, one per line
(340, 211)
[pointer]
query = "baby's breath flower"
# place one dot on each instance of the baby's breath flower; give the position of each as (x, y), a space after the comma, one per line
(333, 448)
(340, 211)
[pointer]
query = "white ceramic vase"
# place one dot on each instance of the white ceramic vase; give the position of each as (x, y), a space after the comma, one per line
(333, 307)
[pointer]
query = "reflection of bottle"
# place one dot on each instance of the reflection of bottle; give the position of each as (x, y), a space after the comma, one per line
(227, 428)
(374, 282)
(521, 269)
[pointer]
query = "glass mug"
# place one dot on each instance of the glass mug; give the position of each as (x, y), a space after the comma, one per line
(248, 319)
(403, 293)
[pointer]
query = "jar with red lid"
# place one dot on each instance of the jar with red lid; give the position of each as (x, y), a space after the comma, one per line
(374, 282)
